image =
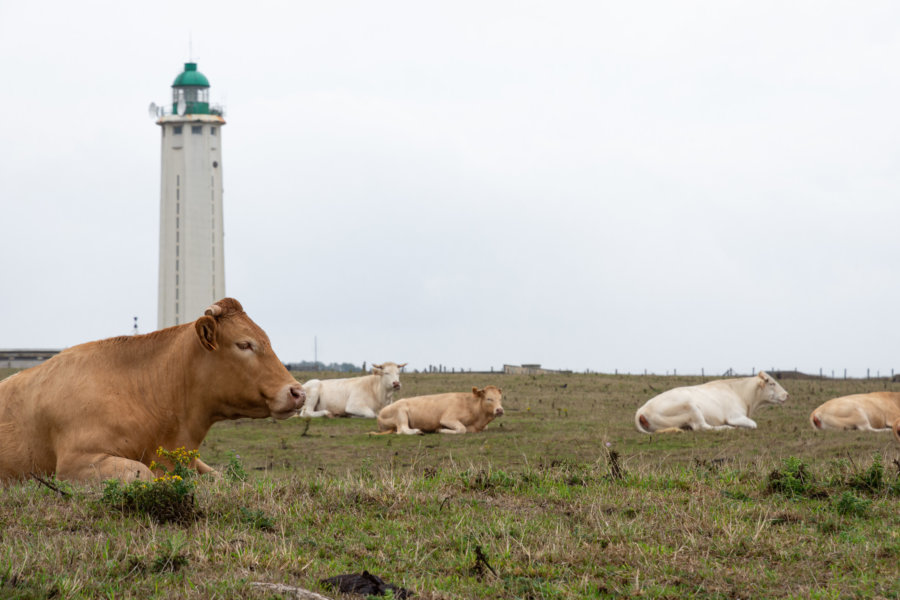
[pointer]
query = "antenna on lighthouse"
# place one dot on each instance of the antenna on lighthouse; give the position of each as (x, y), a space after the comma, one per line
(135, 332)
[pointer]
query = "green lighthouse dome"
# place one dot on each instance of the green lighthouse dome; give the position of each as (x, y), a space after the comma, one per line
(190, 92)
(191, 77)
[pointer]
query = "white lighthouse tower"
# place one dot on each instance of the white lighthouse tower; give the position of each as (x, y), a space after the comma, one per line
(191, 254)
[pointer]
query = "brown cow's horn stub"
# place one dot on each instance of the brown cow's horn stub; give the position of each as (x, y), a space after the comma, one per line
(224, 308)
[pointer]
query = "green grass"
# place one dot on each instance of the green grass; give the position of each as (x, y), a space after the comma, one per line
(783, 511)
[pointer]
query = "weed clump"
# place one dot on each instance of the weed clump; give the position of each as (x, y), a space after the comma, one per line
(851, 506)
(870, 480)
(234, 470)
(257, 519)
(167, 499)
(793, 479)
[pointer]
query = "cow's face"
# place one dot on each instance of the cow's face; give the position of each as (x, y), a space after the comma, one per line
(490, 397)
(389, 373)
(769, 389)
(245, 377)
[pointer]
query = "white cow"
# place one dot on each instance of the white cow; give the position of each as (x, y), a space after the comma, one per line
(875, 411)
(353, 397)
(721, 404)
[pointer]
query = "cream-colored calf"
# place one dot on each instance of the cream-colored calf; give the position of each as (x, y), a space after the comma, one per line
(448, 413)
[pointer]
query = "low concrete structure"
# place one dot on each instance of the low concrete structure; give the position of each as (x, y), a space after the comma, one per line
(533, 369)
(23, 359)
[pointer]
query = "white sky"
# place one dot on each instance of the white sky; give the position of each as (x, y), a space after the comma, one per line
(587, 185)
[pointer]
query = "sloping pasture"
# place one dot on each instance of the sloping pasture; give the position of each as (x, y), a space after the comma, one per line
(560, 498)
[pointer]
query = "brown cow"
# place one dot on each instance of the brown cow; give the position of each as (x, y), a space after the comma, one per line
(100, 410)
(448, 413)
(867, 412)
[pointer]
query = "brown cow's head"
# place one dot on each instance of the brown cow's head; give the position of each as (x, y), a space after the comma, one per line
(490, 397)
(244, 376)
(390, 374)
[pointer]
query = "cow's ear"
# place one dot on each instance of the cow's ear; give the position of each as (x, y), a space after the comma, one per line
(403, 365)
(477, 392)
(206, 331)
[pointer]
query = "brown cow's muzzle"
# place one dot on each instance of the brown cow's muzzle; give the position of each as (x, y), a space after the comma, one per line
(298, 395)
(499, 411)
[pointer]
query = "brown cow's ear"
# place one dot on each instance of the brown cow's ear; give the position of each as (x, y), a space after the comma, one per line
(206, 331)
(477, 392)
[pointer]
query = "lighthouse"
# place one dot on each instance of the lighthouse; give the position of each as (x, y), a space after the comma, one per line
(191, 253)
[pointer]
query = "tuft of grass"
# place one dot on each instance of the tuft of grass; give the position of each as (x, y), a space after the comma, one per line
(870, 480)
(257, 519)
(792, 479)
(234, 469)
(851, 506)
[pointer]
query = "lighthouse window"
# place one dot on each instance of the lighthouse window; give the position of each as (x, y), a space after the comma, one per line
(196, 129)
(177, 130)
(212, 131)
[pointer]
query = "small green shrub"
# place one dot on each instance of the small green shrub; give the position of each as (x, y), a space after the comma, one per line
(167, 499)
(257, 519)
(234, 470)
(851, 506)
(871, 480)
(793, 479)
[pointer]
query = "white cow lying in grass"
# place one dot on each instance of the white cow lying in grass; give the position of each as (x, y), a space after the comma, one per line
(866, 412)
(353, 397)
(448, 413)
(721, 404)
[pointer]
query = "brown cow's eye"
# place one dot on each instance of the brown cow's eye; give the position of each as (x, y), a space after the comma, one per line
(244, 345)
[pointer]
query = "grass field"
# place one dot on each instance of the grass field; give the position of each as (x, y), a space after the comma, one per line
(560, 498)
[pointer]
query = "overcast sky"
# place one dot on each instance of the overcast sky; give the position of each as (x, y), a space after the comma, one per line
(586, 185)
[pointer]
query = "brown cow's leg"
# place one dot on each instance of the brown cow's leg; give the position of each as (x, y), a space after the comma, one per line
(204, 469)
(100, 467)
(403, 423)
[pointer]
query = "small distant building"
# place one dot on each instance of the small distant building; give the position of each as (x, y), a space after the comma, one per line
(23, 359)
(532, 369)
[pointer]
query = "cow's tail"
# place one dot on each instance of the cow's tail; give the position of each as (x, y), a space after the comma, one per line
(896, 429)
(382, 432)
(641, 423)
(815, 421)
